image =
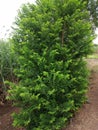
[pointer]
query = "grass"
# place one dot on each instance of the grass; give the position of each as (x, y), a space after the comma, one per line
(95, 53)
(93, 56)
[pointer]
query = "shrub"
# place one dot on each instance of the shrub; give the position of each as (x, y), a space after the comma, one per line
(51, 39)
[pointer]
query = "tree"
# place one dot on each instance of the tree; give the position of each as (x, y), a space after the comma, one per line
(51, 40)
(92, 6)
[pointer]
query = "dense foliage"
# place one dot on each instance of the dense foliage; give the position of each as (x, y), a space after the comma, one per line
(50, 41)
(92, 6)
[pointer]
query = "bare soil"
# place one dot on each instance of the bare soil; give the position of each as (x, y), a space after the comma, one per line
(85, 119)
(6, 120)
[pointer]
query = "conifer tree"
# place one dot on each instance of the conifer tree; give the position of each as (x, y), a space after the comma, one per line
(51, 40)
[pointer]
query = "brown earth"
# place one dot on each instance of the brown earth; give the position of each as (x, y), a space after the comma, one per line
(5, 117)
(85, 119)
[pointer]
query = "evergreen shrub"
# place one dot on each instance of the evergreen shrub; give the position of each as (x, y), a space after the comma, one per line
(51, 40)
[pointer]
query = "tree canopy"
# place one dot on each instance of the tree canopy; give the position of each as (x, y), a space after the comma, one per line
(92, 6)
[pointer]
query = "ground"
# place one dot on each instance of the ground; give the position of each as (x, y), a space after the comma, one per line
(85, 119)
(5, 117)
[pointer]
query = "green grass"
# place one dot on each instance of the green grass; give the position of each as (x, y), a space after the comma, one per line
(93, 56)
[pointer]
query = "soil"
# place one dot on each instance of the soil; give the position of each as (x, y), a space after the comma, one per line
(6, 120)
(85, 119)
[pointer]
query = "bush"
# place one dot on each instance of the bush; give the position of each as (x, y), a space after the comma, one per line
(51, 39)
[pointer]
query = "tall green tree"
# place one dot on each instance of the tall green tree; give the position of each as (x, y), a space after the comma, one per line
(92, 6)
(51, 40)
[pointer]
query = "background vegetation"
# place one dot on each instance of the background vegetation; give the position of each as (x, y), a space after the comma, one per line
(7, 63)
(92, 6)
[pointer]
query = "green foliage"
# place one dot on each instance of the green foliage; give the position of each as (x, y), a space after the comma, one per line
(94, 55)
(7, 62)
(96, 48)
(51, 40)
(92, 6)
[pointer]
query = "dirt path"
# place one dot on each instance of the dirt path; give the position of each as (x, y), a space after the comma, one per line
(85, 119)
